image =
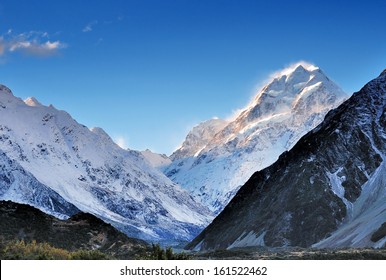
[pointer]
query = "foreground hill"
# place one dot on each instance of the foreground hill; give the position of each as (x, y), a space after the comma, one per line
(80, 232)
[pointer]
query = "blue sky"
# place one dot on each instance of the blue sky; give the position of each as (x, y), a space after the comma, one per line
(148, 70)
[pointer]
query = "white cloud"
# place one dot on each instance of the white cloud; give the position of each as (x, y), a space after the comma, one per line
(36, 48)
(235, 113)
(121, 142)
(89, 26)
(31, 43)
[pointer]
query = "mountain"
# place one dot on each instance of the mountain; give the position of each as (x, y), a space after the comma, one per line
(198, 138)
(215, 160)
(18, 185)
(329, 190)
(158, 161)
(53, 163)
(80, 232)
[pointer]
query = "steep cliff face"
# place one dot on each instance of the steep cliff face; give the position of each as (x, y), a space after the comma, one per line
(291, 104)
(329, 190)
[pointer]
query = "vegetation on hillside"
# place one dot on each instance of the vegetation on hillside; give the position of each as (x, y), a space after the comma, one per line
(20, 250)
(263, 253)
(157, 253)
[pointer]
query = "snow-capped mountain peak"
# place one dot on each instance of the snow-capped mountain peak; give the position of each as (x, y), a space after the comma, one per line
(293, 102)
(32, 101)
(286, 90)
(158, 161)
(198, 138)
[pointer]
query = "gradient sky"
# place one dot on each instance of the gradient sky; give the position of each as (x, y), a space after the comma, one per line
(146, 71)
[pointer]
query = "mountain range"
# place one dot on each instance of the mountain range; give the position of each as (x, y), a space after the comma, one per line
(61, 167)
(301, 165)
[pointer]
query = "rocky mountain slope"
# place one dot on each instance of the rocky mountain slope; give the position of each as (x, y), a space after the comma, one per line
(53, 163)
(80, 232)
(329, 190)
(218, 157)
(19, 185)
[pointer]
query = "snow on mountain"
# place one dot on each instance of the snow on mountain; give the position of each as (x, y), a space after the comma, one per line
(32, 101)
(329, 190)
(213, 167)
(88, 170)
(18, 185)
(156, 160)
(198, 138)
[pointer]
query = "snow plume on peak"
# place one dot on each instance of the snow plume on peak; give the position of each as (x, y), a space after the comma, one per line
(292, 68)
(121, 142)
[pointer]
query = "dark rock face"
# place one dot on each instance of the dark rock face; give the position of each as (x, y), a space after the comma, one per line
(311, 190)
(379, 234)
(81, 231)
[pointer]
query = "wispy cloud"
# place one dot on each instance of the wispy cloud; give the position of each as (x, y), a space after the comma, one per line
(89, 26)
(289, 68)
(34, 43)
(121, 142)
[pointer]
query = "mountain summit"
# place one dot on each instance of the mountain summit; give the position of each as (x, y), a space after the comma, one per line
(291, 104)
(328, 191)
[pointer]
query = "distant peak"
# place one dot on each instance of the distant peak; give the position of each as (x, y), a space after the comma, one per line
(302, 68)
(5, 89)
(99, 131)
(383, 73)
(297, 67)
(33, 102)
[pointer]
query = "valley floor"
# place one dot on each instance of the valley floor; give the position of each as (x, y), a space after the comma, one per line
(259, 253)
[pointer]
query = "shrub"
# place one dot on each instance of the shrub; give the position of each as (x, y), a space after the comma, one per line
(21, 250)
(157, 253)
